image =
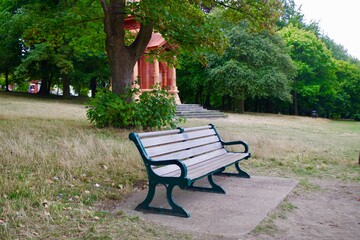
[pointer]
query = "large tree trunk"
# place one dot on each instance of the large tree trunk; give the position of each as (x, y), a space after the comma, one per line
(44, 89)
(240, 101)
(49, 83)
(122, 58)
(93, 86)
(121, 67)
(66, 87)
(296, 108)
(240, 105)
(7, 80)
(45, 79)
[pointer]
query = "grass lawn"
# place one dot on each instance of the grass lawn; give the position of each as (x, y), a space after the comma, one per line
(61, 178)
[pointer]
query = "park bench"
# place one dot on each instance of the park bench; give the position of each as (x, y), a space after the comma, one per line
(182, 156)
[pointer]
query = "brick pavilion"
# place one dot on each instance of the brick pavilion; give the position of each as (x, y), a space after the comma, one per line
(156, 72)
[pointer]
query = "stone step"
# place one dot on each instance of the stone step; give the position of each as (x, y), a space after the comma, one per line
(197, 111)
(189, 107)
(202, 116)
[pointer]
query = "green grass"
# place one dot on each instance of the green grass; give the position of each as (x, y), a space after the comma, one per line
(61, 178)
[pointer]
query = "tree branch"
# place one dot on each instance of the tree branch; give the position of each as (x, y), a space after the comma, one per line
(104, 5)
(142, 39)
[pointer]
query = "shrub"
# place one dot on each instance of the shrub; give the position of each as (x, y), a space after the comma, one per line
(156, 109)
(153, 109)
(356, 117)
(110, 110)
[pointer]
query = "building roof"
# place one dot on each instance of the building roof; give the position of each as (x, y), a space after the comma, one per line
(156, 41)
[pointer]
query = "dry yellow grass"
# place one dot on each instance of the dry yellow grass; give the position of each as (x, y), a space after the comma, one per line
(58, 173)
(293, 146)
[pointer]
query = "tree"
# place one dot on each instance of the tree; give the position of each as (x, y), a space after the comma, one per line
(192, 80)
(291, 15)
(59, 26)
(182, 23)
(254, 65)
(10, 44)
(347, 102)
(53, 35)
(90, 72)
(338, 51)
(315, 83)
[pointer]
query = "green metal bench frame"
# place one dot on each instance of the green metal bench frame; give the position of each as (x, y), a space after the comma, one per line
(183, 181)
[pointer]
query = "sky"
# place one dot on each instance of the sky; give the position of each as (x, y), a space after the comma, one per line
(339, 19)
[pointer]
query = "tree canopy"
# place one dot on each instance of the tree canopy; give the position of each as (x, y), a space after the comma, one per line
(256, 67)
(316, 80)
(238, 47)
(185, 24)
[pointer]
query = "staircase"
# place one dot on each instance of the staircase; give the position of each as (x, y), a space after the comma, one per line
(197, 111)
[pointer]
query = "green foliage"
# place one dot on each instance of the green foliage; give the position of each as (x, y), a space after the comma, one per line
(156, 109)
(153, 109)
(348, 98)
(191, 79)
(185, 23)
(315, 83)
(255, 64)
(356, 117)
(110, 110)
(291, 15)
(46, 39)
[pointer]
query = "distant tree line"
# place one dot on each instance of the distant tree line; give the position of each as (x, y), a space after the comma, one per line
(295, 70)
(58, 42)
(80, 42)
(231, 55)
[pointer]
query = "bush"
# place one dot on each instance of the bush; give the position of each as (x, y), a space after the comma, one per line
(156, 109)
(356, 117)
(153, 109)
(110, 110)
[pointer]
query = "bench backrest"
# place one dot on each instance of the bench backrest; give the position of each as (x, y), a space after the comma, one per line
(191, 144)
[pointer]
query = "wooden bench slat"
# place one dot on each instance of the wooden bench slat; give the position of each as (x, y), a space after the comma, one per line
(174, 131)
(168, 148)
(193, 166)
(158, 133)
(203, 168)
(170, 168)
(190, 152)
(197, 128)
(155, 141)
(204, 157)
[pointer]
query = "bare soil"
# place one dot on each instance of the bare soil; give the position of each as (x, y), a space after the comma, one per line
(333, 212)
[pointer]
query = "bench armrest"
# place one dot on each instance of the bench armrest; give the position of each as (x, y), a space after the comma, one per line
(236, 143)
(180, 164)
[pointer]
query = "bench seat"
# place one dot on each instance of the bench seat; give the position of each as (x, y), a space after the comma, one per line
(202, 168)
(182, 156)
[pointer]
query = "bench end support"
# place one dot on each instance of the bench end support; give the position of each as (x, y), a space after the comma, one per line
(175, 210)
(240, 173)
(214, 187)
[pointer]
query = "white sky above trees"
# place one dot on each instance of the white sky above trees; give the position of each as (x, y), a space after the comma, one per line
(339, 19)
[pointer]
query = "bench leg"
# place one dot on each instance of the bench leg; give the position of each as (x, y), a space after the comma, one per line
(214, 187)
(240, 172)
(150, 196)
(175, 210)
